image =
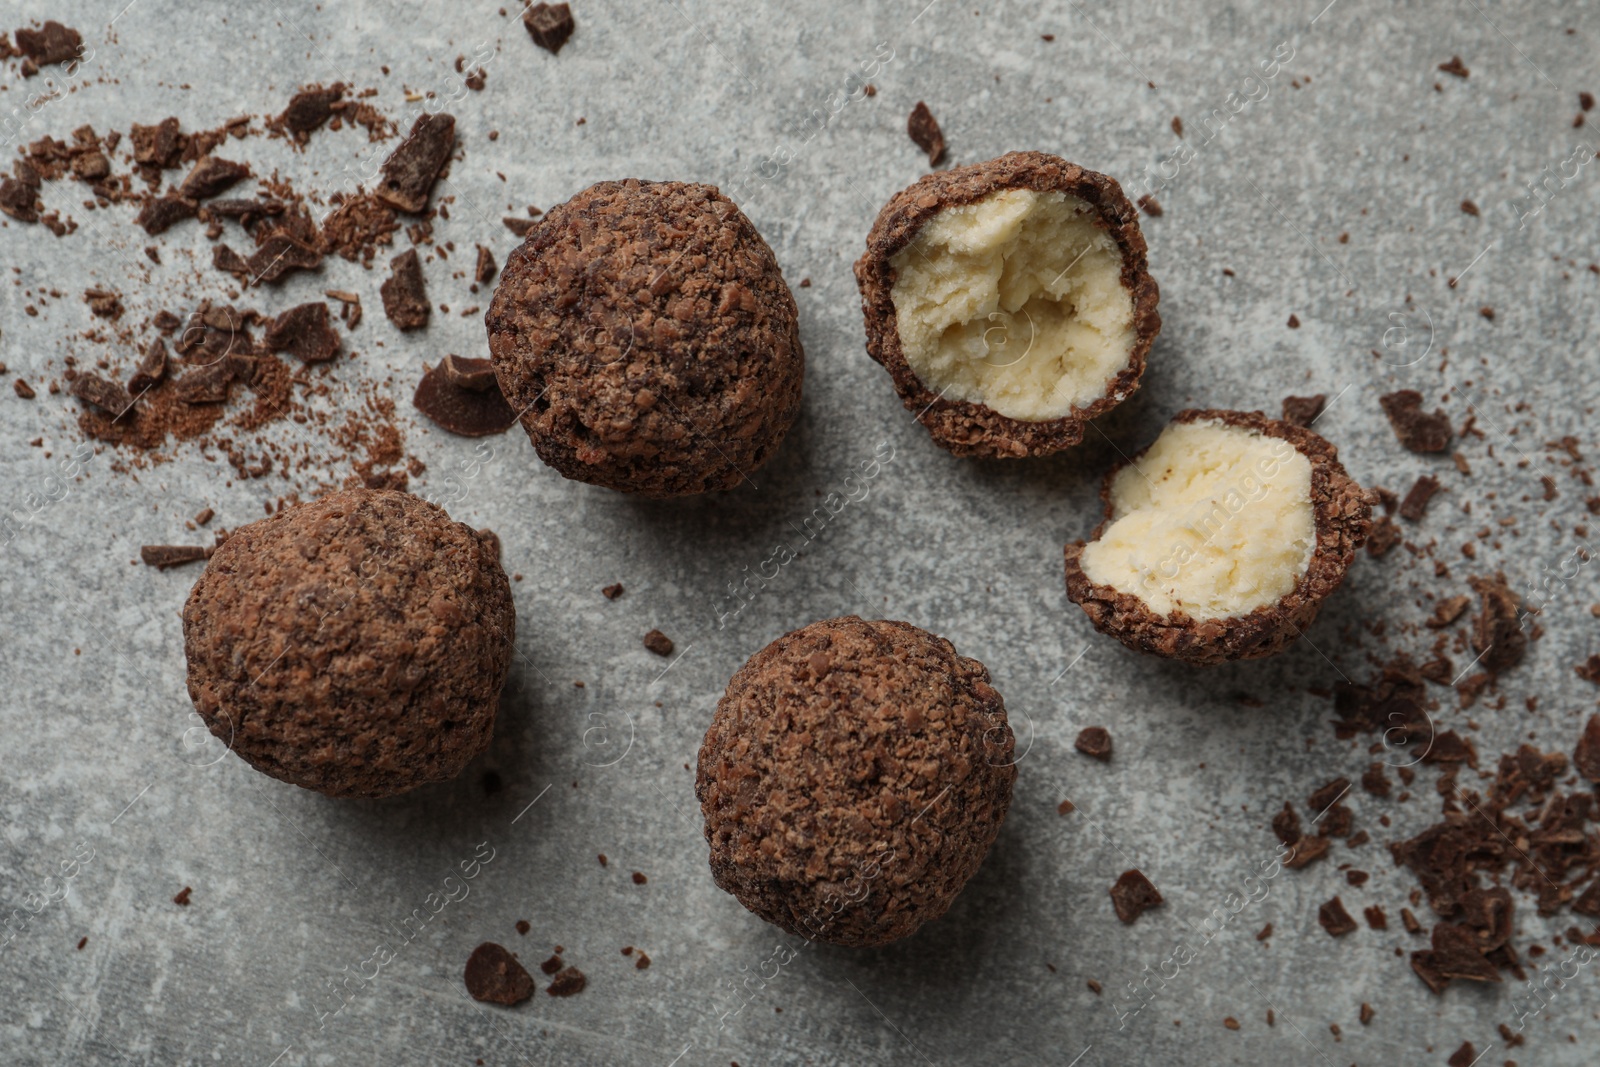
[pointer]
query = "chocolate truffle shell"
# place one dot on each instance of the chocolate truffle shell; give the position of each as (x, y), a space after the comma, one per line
(354, 645)
(1341, 514)
(646, 335)
(964, 427)
(853, 779)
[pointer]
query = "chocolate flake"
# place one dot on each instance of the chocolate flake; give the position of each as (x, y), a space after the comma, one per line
(160, 215)
(1497, 634)
(1094, 741)
(1415, 505)
(486, 268)
(107, 395)
(569, 981)
(304, 331)
(152, 367)
(1335, 919)
(164, 556)
(611, 592)
(182, 899)
(1456, 67)
(1376, 919)
(924, 130)
(520, 226)
(212, 176)
(19, 199)
(1586, 756)
(1133, 894)
(1303, 410)
(158, 146)
(658, 642)
(477, 409)
(549, 25)
(310, 108)
(1384, 536)
(51, 43)
(493, 975)
(1446, 612)
(1415, 429)
(411, 170)
(405, 297)
(280, 255)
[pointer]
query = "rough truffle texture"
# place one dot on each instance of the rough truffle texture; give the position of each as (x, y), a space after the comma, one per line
(645, 333)
(1343, 520)
(964, 427)
(355, 645)
(853, 779)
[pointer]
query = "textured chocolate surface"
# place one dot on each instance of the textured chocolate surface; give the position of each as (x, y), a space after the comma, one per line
(354, 645)
(645, 332)
(853, 779)
(964, 427)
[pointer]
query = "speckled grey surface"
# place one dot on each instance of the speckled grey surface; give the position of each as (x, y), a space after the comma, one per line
(274, 960)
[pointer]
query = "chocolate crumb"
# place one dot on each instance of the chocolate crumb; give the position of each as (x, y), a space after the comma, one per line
(1586, 756)
(205, 516)
(550, 25)
(523, 927)
(212, 176)
(182, 899)
(1066, 807)
(643, 962)
(1094, 986)
(1264, 933)
(1294, 321)
(486, 268)
(1150, 206)
(553, 964)
(1376, 919)
(405, 297)
(495, 976)
(520, 226)
(152, 367)
(310, 108)
(1469, 208)
(1456, 67)
(1335, 919)
(1366, 1013)
(1094, 741)
(164, 556)
(1497, 634)
(1303, 410)
(23, 389)
(1231, 1023)
(924, 130)
(1415, 505)
(411, 170)
(611, 592)
(81, 942)
(1416, 430)
(109, 396)
(1467, 1054)
(658, 642)
(639, 878)
(1133, 894)
(1448, 611)
(568, 982)
(1384, 536)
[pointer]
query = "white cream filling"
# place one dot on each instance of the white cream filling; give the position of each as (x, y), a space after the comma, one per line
(1214, 520)
(1015, 302)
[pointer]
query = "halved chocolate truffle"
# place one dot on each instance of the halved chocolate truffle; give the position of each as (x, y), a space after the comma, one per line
(355, 644)
(646, 335)
(853, 779)
(1220, 540)
(1010, 302)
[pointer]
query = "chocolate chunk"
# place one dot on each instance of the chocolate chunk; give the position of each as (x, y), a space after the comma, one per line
(568, 982)
(523, 927)
(182, 899)
(405, 297)
(611, 592)
(1286, 824)
(520, 227)
(658, 642)
(304, 331)
(52, 43)
(1497, 634)
(1455, 66)
(1384, 536)
(1448, 611)
(160, 145)
(248, 212)
(280, 255)
(552, 965)
(1586, 756)
(411, 170)
(643, 962)
(1415, 505)
(225, 258)
(103, 303)
(1133, 894)
(19, 200)
(1376, 919)
(493, 975)
(485, 270)
(1374, 781)
(1094, 741)
(549, 25)
(1427, 969)
(1150, 206)
(164, 556)
(639, 878)
(211, 176)
(924, 130)
(1328, 795)
(1303, 410)
(1307, 851)
(310, 108)
(152, 367)
(1450, 747)
(23, 389)
(91, 166)
(1416, 430)
(158, 216)
(107, 395)
(1335, 919)
(475, 410)
(205, 385)
(1456, 954)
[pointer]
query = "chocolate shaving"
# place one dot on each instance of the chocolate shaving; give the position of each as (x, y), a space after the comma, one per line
(1497, 634)
(405, 297)
(152, 367)
(476, 410)
(924, 130)
(1094, 741)
(1133, 895)
(1303, 410)
(107, 395)
(549, 25)
(23, 389)
(411, 170)
(1415, 429)
(19, 199)
(1415, 505)
(164, 556)
(485, 270)
(1384, 536)
(212, 176)
(1335, 919)
(280, 255)
(494, 976)
(304, 331)
(1456, 67)
(310, 108)
(159, 216)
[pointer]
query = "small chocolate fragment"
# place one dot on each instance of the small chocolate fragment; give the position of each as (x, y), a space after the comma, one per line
(411, 170)
(1446, 612)
(523, 927)
(519, 226)
(1376, 918)
(152, 367)
(462, 399)
(91, 166)
(1415, 505)
(205, 385)
(1586, 760)
(1459, 69)
(1150, 206)
(549, 25)
(658, 642)
(1384, 536)
(639, 878)
(643, 962)
(164, 556)
(569, 981)
(1427, 969)
(1456, 954)
(160, 215)
(405, 297)
(304, 331)
(159, 145)
(51, 43)
(182, 899)
(248, 212)
(19, 199)
(310, 108)
(1303, 410)
(1094, 741)
(106, 395)
(611, 592)
(280, 255)
(224, 258)
(486, 269)
(1416, 430)
(1335, 919)
(1328, 796)
(494, 976)
(1497, 634)
(552, 965)
(23, 389)
(103, 303)
(1467, 1054)
(924, 130)
(1133, 894)
(212, 176)
(1307, 851)
(205, 516)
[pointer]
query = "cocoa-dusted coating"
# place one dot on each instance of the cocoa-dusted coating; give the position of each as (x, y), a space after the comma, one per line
(853, 779)
(964, 427)
(1341, 514)
(354, 645)
(646, 336)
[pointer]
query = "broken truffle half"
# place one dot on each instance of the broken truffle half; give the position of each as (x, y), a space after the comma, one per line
(853, 778)
(1221, 540)
(646, 336)
(1010, 302)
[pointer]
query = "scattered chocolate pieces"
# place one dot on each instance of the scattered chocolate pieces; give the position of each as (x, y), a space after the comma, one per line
(924, 130)
(109, 396)
(1133, 894)
(405, 297)
(1303, 410)
(611, 592)
(1416, 430)
(411, 170)
(549, 25)
(182, 899)
(212, 176)
(1335, 919)
(658, 642)
(494, 976)
(304, 331)
(1415, 504)
(462, 397)
(567, 982)
(164, 556)
(1094, 741)
(158, 146)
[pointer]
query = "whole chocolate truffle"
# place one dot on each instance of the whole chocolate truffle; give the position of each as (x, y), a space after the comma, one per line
(1010, 302)
(853, 779)
(1221, 540)
(645, 335)
(355, 645)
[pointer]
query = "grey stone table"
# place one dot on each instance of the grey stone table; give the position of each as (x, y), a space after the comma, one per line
(1320, 173)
